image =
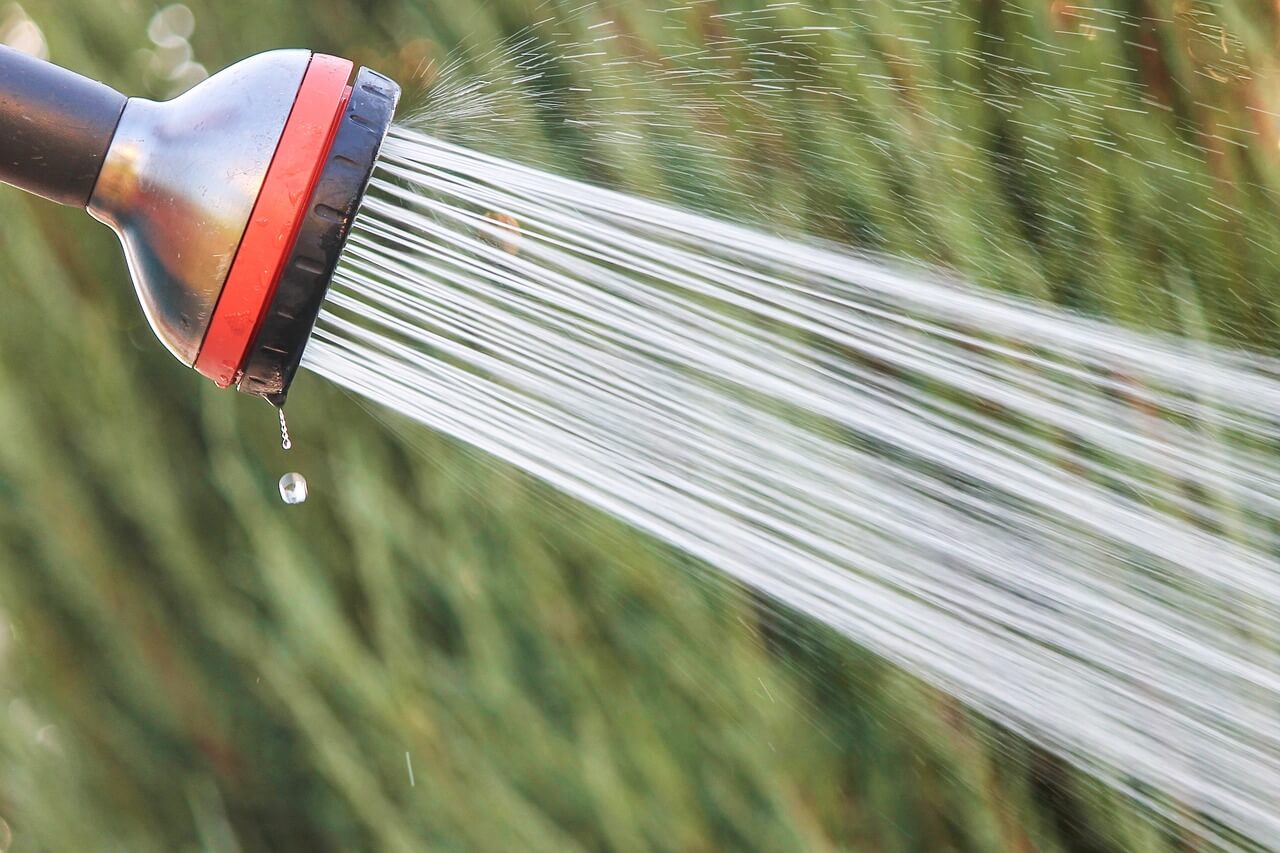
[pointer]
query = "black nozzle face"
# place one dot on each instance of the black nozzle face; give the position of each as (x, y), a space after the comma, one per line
(55, 128)
(277, 350)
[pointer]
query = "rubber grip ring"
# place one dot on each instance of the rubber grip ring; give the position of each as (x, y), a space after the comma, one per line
(304, 281)
(276, 219)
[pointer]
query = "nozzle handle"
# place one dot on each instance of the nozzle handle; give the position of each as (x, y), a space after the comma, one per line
(55, 127)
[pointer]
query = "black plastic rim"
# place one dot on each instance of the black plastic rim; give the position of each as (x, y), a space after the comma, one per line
(277, 350)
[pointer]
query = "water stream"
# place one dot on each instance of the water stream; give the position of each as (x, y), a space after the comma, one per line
(1069, 525)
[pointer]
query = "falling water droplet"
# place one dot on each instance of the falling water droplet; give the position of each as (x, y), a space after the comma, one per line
(284, 430)
(293, 488)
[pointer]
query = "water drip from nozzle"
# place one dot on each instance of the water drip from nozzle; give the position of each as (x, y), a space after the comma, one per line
(284, 430)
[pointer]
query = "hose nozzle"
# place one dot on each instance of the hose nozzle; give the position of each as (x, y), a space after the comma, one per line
(232, 201)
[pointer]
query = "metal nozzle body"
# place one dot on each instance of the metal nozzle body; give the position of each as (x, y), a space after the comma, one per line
(233, 200)
(179, 183)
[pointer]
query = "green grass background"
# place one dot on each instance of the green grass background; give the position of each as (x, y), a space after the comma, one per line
(187, 664)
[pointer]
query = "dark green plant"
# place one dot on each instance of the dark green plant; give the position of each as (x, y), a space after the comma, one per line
(186, 663)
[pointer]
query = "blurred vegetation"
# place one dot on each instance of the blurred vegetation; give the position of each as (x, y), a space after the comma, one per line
(187, 664)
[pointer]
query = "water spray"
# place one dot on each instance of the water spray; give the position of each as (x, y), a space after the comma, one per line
(233, 201)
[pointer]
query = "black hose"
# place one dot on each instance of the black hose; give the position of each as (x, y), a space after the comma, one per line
(55, 128)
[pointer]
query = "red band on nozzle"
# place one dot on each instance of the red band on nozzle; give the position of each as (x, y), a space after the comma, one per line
(276, 218)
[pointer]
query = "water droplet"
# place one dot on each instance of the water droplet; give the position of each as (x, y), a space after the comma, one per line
(284, 430)
(293, 488)
(6, 836)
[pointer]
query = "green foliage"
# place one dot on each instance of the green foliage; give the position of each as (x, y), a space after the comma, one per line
(188, 664)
